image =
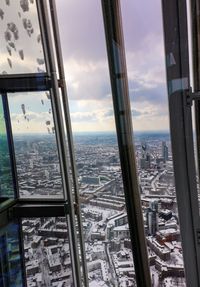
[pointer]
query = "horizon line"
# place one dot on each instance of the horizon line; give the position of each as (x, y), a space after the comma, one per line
(92, 132)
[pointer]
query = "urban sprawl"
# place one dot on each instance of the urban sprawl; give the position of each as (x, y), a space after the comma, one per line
(105, 224)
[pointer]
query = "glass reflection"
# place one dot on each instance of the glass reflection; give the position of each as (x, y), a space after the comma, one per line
(21, 48)
(10, 259)
(6, 183)
(47, 253)
(35, 144)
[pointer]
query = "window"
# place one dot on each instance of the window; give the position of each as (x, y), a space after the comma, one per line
(99, 208)
(20, 25)
(36, 152)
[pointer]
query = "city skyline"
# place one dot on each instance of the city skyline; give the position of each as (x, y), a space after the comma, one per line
(105, 223)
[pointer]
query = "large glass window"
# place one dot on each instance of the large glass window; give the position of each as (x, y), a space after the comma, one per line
(36, 153)
(36, 146)
(106, 230)
(21, 45)
(148, 94)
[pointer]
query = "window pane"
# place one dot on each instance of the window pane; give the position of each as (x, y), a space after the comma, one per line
(106, 231)
(148, 93)
(10, 258)
(6, 180)
(35, 144)
(21, 47)
(47, 252)
(105, 223)
(196, 154)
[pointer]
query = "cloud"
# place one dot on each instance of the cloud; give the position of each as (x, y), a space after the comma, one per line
(86, 66)
(109, 113)
(136, 113)
(81, 29)
(156, 96)
(141, 19)
(33, 116)
(84, 117)
(87, 80)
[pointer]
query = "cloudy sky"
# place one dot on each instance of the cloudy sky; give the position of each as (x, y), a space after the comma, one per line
(86, 66)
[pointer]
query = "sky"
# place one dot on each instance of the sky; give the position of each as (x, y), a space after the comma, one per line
(86, 65)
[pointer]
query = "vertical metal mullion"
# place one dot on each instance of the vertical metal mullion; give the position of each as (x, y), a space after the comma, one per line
(69, 131)
(56, 106)
(195, 21)
(120, 93)
(10, 144)
(177, 67)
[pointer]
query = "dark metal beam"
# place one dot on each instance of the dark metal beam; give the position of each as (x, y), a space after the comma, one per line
(38, 210)
(24, 83)
(11, 147)
(6, 204)
(45, 200)
(123, 119)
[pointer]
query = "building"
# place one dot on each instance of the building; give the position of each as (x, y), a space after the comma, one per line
(165, 151)
(152, 218)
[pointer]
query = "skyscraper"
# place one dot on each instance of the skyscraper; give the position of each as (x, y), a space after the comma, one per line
(164, 151)
(152, 218)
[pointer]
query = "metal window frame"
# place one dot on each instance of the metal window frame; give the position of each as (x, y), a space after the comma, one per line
(62, 148)
(62, 81)
(17, 207)
(12, 147)
(36, 209)
(10, 144)
(120, 93)
(176, 44)
(24, 83)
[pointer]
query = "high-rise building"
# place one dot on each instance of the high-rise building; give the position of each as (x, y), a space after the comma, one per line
(145, 160)
(164, 151)
(152, 218)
